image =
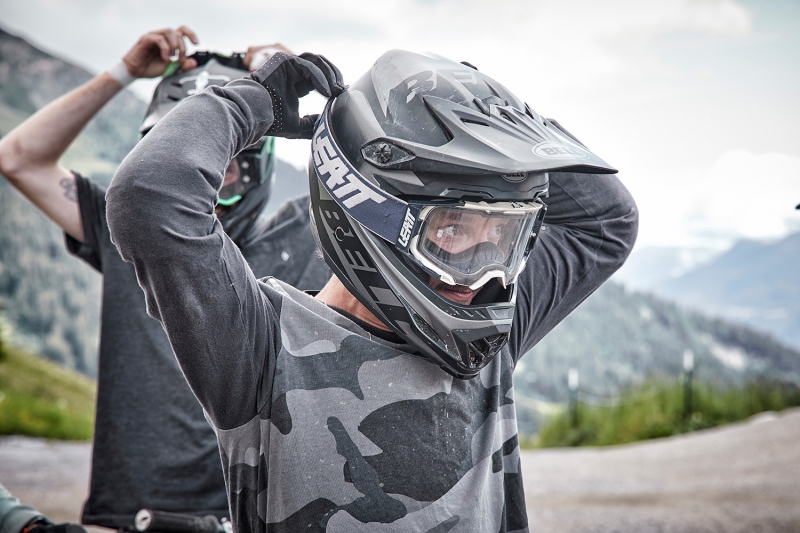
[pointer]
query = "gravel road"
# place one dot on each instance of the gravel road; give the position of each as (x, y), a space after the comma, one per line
(740, 478)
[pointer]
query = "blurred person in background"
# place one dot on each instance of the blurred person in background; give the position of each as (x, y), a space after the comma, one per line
(153, 447)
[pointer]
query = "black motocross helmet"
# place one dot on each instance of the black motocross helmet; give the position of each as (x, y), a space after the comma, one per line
(416, 141)
(247, 198)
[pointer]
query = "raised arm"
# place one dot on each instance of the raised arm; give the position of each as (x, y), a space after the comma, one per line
(160, 211)
(589, 231)
(29, 154)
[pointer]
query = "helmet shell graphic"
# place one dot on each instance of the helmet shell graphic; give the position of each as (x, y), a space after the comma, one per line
(414, 134)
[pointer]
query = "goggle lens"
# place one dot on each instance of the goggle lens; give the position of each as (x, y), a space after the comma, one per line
(471, 245)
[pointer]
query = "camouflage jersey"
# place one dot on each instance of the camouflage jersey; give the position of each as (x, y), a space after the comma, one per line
(323, 426)
(356, 430)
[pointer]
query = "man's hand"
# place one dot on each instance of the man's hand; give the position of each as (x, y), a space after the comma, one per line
(288, 78)
(155, 50)
(258, 55)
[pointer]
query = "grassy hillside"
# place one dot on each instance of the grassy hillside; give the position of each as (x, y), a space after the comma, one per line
(655, 409)
(617, 339)
(42, 399)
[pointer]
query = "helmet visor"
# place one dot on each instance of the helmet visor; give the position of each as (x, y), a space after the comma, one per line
(471, 244)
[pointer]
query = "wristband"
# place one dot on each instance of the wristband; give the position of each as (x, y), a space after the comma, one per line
(120, 73)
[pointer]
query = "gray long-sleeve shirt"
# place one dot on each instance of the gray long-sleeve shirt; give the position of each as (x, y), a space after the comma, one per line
(322, 426)
(153, 447)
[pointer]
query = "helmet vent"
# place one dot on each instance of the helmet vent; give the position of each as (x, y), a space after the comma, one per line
(426, 329)
(485, 348)
(515, 178)
(533, 115)
(483, 107)
(507, 117)
(494, 100)
(476, 122)
(384, 154)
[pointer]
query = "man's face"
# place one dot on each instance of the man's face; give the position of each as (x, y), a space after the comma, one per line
(457, 233)
(232, 175)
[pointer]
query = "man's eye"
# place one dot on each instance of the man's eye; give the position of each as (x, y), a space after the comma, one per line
(448, 231)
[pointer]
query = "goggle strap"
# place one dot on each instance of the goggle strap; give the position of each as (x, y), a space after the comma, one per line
(354, 193)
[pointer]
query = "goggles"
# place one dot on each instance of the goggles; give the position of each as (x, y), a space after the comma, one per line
(470, 244)
(252, 172)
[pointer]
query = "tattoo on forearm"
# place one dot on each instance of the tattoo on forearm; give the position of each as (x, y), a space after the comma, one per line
(70, 188)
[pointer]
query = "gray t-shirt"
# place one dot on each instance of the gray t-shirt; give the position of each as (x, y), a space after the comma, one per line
(153, 447)
(323, 427)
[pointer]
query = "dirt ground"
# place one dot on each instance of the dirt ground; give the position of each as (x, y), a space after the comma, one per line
(740, 478)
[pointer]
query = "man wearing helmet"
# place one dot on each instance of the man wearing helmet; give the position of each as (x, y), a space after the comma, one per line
(385, 403)
(153, 447)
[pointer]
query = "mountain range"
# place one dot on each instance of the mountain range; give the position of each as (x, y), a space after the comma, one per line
(754, 283)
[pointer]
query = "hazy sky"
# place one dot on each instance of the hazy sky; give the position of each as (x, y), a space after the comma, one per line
(695, 101)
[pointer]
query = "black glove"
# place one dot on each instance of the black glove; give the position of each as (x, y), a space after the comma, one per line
(288, 78)
(44, 526)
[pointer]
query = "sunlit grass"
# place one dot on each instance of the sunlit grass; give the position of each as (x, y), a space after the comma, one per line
(656, 409)
(42, 399)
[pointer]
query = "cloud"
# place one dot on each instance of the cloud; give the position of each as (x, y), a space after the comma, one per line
(565, 41)
(607, 70)
(742, 195)
(521, 41)
(750, 195)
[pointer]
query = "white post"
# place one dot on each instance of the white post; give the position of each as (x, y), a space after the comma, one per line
(573, 380)
(688, 370)
(572, 383)
(688, 360)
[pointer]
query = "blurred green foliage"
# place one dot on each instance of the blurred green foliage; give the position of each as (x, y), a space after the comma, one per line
(655, 409)
(42, 399)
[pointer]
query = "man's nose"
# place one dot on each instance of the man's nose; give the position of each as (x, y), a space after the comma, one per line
(485, 234)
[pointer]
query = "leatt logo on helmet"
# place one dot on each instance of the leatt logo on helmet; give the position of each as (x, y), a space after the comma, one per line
(342, 181)
(405, 231)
